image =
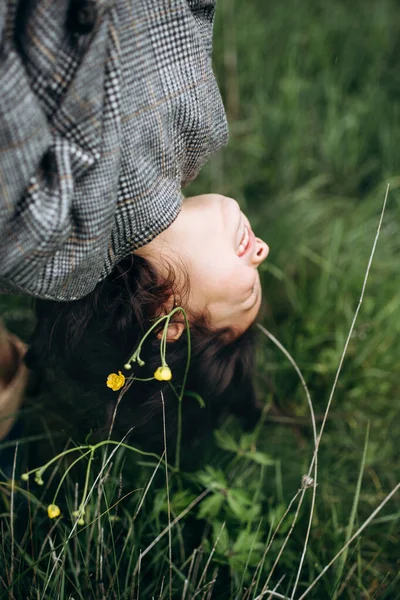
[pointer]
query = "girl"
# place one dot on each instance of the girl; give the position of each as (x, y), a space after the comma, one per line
(206, 262)
(108, 108)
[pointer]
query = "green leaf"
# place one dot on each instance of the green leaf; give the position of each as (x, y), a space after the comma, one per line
(225, 441)
(248, 547)
(220, 533)
(181, 500)
(246, 441)
(214, 479)
(260, 458)
(239, 503)
(211, 506)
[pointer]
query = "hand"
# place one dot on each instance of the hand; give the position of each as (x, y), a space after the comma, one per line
(13, 378)
(9, 357)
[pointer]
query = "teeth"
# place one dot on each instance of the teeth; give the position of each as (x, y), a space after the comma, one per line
(244, 242)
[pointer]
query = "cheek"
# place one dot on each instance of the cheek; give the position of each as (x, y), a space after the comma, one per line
(219, 273)
(235, 284)
(214, 267)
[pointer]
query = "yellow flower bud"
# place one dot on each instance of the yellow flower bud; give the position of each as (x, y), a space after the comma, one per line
(53, 511)
(163, 374)
(115, 382)
(128, 366)
(24, 476)
(81, 521)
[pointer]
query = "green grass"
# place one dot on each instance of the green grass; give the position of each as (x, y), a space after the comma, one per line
(312, 91)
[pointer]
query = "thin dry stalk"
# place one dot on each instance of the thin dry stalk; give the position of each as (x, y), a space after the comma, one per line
(204, 573)
(207, 587)
(187, 580)
(185, 587)
(75, 552)
(317, 440)
(211, 584)
(181, 542)
(97, 560)
(273, 594)
(162, 588)
(122, 554)
(353, 537)
(96, 511)
(168, 498)
(296, 514)
(120, 396)
(132, 585)
(2, 542)
(30, 529)
(314, 483)
(197, 564)
(102, 479)
(3, 582)
(45, 490)
(299, 373)
(138, 575)
(11, 594)
(46, 539)
(100, 559)
(347, 579)
(270, 544)
(248, 557)
(148, 486)
(56, 559)
(173, 523)
(89, 495)
(339, 370)
(276, 587)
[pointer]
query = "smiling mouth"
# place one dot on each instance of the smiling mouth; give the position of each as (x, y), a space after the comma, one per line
(245, 242)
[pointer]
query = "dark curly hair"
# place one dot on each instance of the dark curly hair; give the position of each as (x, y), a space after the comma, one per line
(89, 338)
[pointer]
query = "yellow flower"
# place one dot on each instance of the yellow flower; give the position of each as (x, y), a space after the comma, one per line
(53, 511)
(163, 374)
(115, 382)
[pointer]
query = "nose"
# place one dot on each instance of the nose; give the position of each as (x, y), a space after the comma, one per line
(260, 253)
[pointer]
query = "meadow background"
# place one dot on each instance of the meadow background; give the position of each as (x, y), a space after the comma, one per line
(312, 93)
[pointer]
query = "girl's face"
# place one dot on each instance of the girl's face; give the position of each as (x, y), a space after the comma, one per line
(214, 241)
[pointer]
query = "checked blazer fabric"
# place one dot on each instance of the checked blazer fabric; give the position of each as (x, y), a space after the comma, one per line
(107, 109)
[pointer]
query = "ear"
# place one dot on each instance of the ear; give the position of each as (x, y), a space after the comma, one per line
(174, 331)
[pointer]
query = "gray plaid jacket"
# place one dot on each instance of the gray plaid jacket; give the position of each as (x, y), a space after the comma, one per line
(107, 109)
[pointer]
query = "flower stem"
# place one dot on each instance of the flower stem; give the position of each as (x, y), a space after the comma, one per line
(67, 471)
(55, 458)
(85, 489)
(181, 394)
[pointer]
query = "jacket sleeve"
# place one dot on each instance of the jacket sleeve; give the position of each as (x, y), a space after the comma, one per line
(25, 139)
(39, 166)
(24, 131)
(203, 12)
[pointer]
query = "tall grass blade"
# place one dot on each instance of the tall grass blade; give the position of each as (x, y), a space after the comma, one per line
(353, 513)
